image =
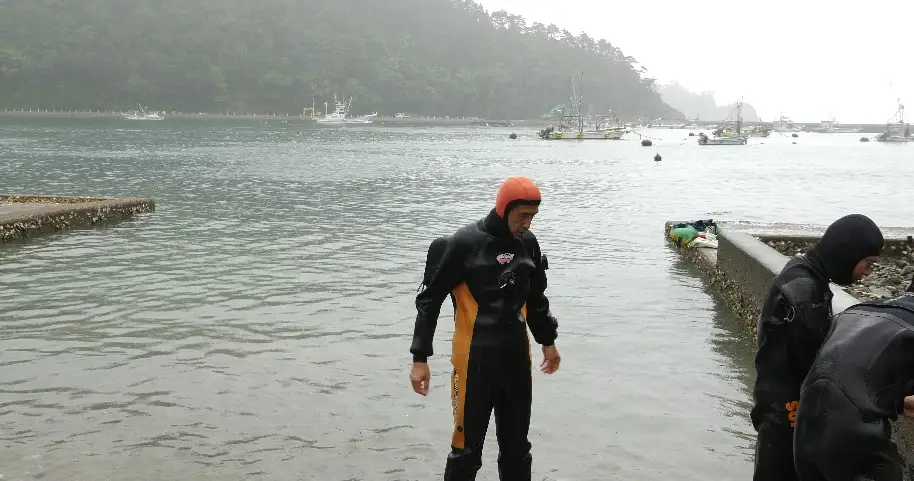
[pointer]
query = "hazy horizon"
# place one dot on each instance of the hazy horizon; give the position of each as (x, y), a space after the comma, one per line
(807, 60)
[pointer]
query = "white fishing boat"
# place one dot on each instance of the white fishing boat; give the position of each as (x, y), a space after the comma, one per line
(784, 124)
(611, 126)
(340, 115)
(895, 129)
(568, 132)
(571, 126)
(141, 114)
(362, 119)
(337, 117)
(759, 131)
(614, 134)
(727, 136)
(703, 139)
(830, 126)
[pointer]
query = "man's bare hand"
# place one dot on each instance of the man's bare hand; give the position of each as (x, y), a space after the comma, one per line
(909, 406)
(551, 359)
(419, 375)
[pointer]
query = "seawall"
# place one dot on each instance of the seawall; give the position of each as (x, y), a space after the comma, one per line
(27, 215)
(748, 258)
(262, 117)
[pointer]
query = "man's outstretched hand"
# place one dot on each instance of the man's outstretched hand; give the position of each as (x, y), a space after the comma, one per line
(551, 359)
(419, 375)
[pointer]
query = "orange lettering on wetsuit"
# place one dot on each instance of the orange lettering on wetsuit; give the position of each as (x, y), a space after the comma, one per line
(455, 395)
(792, 407)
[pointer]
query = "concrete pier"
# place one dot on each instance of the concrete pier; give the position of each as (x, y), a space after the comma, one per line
(747, 259)
(27, 215)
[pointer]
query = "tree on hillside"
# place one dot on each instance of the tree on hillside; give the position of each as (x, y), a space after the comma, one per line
(444, 57)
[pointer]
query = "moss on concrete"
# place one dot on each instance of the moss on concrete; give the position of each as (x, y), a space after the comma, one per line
(734, 297)
(52, 213)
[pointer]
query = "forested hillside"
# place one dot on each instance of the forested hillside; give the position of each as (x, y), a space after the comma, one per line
(444, 57)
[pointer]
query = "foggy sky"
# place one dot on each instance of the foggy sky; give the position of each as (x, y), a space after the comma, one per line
(807, 59)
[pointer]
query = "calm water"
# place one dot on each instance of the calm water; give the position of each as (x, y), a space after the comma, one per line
(257, 325)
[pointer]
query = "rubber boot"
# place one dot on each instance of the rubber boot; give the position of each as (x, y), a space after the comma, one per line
(462, 465)
(515, 468)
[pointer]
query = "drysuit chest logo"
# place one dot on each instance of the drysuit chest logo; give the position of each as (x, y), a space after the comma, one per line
(504, 258)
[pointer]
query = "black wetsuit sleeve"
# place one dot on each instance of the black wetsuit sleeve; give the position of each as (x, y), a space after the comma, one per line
(542, 323)
(428, 302)
(809, 325)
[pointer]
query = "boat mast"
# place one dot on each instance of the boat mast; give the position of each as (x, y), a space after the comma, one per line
(739, 116)
(576, 99)
(903, 129)
(581, 110)
(907, 128)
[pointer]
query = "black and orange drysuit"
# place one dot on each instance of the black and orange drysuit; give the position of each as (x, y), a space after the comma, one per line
(497, 284)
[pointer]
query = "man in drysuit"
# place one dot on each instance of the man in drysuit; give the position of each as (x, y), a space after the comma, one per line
(793, 323)
(495, 273)
(859, 383)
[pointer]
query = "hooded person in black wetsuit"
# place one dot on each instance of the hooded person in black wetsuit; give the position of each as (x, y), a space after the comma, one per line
(862, 379)
(495, 273)
(794, 320)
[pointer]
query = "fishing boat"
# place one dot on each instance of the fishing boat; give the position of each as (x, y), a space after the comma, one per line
(141, 114)
(491, 123)
(571, 125)
(362, 119)
(784, 124)
(337, 117)
(830, 126)
(895, 129)
(727, 136)
(759, 131)
(611, 126)
(703, 139)
(340, 115)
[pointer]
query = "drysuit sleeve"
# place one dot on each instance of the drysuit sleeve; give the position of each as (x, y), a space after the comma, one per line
(809, 323)
(542, 323)
(428, 302)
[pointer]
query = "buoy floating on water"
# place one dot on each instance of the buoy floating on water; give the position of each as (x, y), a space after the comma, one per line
(512, 136)
(657, 158)
(794, 135)
(646, 143)
(864, 139)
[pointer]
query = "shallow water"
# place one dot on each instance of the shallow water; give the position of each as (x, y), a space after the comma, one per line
(257, 325)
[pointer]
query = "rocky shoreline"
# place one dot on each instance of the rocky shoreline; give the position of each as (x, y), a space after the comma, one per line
(891, 275)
